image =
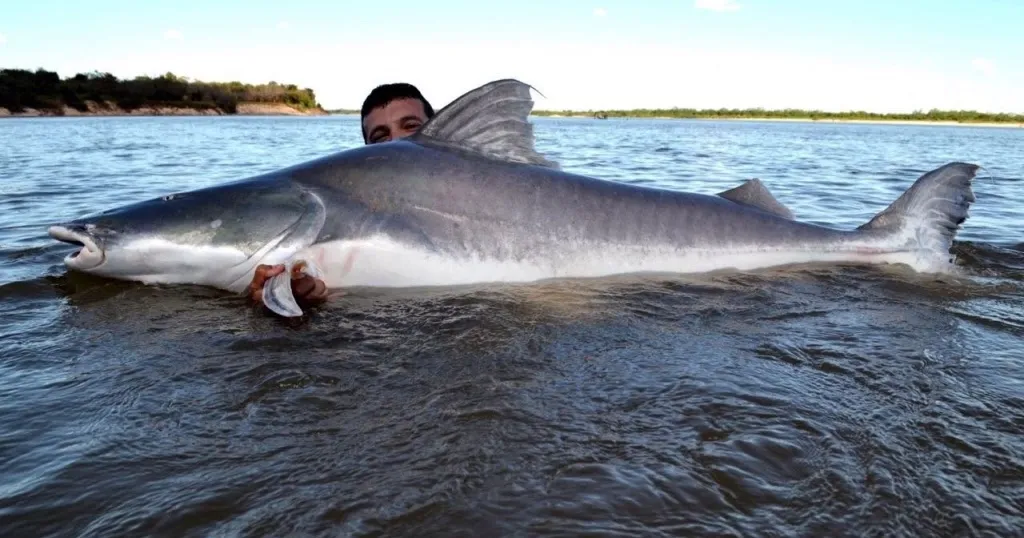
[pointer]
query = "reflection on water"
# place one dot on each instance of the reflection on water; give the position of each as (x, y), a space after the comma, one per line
(824, 401)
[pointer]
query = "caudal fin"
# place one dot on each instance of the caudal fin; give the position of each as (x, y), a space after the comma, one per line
(930, 212)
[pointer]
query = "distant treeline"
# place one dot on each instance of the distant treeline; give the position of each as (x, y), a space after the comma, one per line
(45, 90)
(963, 116)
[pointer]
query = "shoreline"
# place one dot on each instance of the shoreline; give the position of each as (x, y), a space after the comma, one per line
(111, 110)
(944, 123)
(281, 109)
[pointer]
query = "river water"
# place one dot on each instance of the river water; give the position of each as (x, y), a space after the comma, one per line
(853, 401)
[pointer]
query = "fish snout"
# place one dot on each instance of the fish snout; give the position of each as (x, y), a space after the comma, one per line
(90, 255)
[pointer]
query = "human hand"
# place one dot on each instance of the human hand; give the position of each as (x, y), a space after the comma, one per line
(308, 291)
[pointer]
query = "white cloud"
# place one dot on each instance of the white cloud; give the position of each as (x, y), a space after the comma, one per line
(986, 66)
(284, 25)
(3, 39)
(600, 12)
(717, 5)
(172, 34)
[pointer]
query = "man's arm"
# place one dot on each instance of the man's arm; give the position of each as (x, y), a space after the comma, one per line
(307, 290)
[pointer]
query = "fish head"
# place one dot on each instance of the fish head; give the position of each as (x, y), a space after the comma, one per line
(214, 236)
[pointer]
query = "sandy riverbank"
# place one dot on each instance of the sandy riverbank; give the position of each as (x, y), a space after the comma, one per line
(109, 109)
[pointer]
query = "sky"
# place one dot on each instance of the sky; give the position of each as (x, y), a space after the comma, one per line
(874, 55)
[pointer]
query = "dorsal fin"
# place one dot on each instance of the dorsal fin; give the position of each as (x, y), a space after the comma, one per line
(753, 193)
(491, 120)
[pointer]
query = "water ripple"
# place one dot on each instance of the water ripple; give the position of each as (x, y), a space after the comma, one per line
(804, 403)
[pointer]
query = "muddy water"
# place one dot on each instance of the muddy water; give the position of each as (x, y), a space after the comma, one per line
(814, 402)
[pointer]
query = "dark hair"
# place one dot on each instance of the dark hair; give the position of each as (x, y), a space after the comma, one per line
(385, 93)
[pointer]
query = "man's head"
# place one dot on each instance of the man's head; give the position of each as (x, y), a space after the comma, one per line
(393, 111)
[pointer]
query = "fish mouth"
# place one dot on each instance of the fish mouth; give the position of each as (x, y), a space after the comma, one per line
(89, 256)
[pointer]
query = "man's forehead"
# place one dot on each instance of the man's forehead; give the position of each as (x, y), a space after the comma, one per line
(398, 107)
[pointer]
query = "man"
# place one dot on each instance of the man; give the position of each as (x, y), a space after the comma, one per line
(390, 112)
(393, 111)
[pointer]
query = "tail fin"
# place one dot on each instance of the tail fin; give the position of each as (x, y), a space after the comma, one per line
(930, 212)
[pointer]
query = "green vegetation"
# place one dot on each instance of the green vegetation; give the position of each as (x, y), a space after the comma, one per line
(44, 90)
(962, 116)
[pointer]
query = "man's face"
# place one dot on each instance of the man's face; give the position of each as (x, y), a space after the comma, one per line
(398, 119)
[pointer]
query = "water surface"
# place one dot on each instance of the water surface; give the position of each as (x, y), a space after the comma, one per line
(852, 401)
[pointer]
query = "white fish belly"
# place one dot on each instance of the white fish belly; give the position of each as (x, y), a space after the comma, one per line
(382, 262)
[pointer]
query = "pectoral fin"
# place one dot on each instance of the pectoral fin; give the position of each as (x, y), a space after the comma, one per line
(277, 290)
